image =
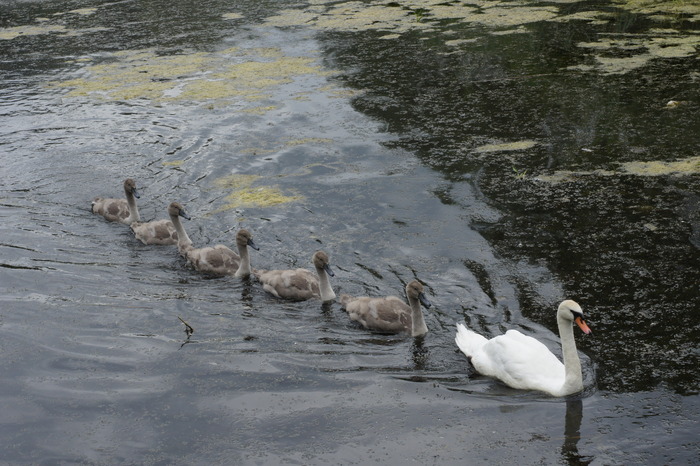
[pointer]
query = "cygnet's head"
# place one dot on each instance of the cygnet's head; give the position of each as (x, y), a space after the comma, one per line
(175, 209)
(130, 188)
(321, 262)
(245, 238)
(414, 290)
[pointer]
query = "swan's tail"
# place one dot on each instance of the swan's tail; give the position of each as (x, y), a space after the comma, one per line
(469, 342)
(92, 204)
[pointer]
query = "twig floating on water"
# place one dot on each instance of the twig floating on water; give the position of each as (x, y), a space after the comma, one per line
(188, 328)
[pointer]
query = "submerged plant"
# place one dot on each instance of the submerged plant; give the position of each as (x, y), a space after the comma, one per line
(519, 174)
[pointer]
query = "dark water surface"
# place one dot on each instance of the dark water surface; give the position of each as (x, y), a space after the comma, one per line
(509, 155)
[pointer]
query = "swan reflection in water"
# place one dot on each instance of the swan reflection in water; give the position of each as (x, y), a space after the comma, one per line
(572, 434)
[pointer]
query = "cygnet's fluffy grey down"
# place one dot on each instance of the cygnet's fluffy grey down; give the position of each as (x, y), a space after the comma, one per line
(390, 314)
(300, 284)
(119, 210)
(160, 232)
(217, 260)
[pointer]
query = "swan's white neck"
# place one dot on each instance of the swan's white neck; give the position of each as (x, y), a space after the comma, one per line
(573, 379)
(183, 241)
(134, 215)
(324, 286)
(244, 265)
(418, 326)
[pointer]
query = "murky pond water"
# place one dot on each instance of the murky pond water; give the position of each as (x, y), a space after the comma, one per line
(508, 155)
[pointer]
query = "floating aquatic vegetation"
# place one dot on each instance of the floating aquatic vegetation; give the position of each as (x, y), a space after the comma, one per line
(663, 9)
(506, 146)
(31, 30)
(656, 168)
(244, 194)
(83, 11)
(300, 142)
(191, 77)
(403, 16)
(508, 16)
(648, 48)
(689, 166)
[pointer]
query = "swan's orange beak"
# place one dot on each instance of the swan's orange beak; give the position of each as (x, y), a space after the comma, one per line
(582, 325)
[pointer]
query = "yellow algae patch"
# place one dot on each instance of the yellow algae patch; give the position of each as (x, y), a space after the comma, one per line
(513, 16)
(83, 11)
(663, 7)
(507, 146)
(564, 176)
(690, 166)
(300, 142)
(458, 42)
(246, 195)
(664, 45)
(235, 181)
(656, 168)
(197, 76)
(34, 30)
(291, 17)
(174, 163)
(256, 197)
(259, 110)
(405, 15)
(232, 16)
(592, 16)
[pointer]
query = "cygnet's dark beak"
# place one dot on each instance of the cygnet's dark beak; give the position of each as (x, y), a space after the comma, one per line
(424, 300)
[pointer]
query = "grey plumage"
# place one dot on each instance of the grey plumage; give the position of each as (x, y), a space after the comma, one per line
(119, 210)
(300, 284)
(390, 314)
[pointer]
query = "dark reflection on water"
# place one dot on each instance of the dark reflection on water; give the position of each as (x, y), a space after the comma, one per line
(618, 242)
(99, 366)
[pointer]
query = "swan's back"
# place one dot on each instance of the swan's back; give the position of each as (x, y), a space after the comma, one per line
(293, 284)
(300, 284)
(387, 314)
(113, 210)
(521, 362)
(161, 232)
(217, 260)
(517, 360)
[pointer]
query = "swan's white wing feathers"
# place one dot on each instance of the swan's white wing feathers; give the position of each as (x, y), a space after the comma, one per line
(520, 361)
(469, 341)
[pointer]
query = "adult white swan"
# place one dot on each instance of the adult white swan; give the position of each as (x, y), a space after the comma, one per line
(522, 362)
(300, 284)
(390, 314)
(217, 260)
(119, 210)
